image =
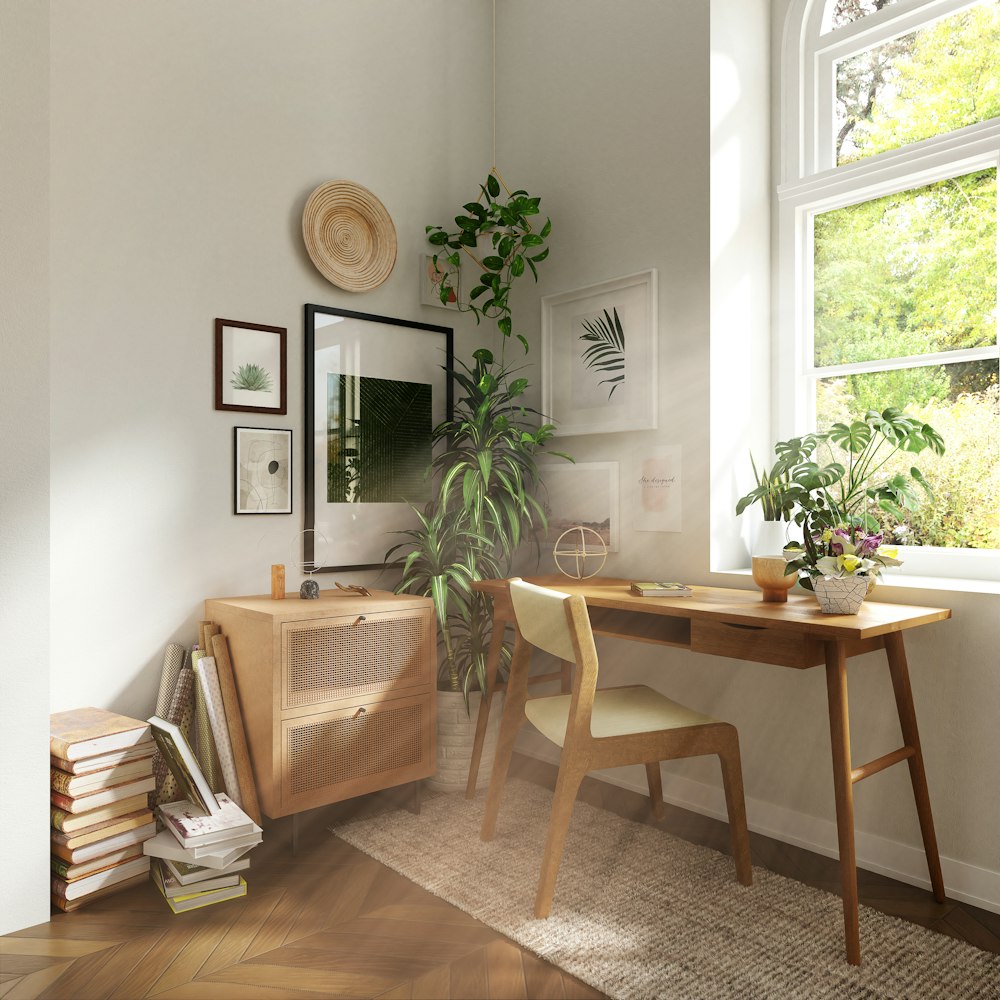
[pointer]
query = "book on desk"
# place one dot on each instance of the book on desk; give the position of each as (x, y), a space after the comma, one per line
(657, 588)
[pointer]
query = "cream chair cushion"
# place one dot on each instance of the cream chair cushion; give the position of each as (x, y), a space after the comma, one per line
(618, 711)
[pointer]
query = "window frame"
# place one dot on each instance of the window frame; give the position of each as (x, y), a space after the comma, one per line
(810, 183)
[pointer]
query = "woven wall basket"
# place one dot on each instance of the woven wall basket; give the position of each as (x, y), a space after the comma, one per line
(349, 235)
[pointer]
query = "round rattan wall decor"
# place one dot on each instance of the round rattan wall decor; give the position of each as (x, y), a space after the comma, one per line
(349, 235)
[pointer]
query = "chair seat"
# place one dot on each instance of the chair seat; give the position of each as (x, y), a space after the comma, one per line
(618, 711)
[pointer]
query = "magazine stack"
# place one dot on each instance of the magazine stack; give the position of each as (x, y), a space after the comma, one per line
(200, 853)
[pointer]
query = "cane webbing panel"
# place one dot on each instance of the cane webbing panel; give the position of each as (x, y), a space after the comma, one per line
(341, 659)
(375, 742)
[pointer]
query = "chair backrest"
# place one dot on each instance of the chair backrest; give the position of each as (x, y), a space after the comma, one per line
(544, 620)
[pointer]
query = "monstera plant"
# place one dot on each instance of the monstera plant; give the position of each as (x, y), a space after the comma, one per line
(503, 216)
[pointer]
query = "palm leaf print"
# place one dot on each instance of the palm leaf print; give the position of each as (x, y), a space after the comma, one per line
(606, 354)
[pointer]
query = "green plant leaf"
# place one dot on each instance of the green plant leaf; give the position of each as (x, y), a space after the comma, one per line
(493, 263)
(438, 239)
(517, 266)
(492, 186)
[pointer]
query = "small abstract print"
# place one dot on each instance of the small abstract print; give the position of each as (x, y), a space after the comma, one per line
(263, 471)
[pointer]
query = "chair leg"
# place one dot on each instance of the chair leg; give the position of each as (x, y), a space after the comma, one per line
(492, 661)
(732, 782)
(511, 721)
(567, 785)
(655, 783)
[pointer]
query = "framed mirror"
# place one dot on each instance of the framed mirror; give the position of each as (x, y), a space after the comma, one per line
(375, 389)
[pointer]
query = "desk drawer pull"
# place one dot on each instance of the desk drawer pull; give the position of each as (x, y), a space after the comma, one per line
(746, 628)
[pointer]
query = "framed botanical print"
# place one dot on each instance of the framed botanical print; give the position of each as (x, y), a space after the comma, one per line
(599, 356)
(250, 361)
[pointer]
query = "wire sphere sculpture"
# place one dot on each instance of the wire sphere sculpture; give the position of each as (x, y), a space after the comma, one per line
(579, 548)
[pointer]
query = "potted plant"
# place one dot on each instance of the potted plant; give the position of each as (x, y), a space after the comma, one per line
(777, 495)
(484, 509)
(503, 216)
(836, 504)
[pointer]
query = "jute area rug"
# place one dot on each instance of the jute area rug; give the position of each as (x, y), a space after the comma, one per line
(639, 913)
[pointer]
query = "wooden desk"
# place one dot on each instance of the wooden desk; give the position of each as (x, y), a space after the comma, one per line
(738, 625)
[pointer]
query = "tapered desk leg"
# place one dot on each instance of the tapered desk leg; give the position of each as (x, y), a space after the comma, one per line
(896, 655)
(482, 720)
(840, 739)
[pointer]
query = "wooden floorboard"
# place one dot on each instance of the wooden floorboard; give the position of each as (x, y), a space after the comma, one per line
(328, 921)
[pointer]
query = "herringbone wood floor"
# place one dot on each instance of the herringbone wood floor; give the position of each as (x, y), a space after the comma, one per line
(328, 921)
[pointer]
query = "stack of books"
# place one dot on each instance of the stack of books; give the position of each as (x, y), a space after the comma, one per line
(101, 776)
(201, 851)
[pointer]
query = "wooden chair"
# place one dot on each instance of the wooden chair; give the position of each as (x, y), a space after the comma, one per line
(600, 728)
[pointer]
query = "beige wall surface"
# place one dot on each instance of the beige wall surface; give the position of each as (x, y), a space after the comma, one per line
(185, 139)
(605, 112)
(24, 494)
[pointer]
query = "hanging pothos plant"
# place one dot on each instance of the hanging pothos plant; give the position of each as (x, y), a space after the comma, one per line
(516, 248)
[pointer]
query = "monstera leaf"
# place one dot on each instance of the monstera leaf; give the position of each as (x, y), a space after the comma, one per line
(606, 354)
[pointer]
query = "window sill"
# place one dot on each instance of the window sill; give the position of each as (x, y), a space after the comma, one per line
(896, 581)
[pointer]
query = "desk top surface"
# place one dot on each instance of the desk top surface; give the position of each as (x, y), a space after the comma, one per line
(741, 607)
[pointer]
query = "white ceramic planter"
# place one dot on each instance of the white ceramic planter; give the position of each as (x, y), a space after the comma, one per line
(456, 732)
(840, 597)
(771, 537)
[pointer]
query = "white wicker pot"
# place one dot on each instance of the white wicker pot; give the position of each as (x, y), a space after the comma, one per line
(840, 596)
(456, 732)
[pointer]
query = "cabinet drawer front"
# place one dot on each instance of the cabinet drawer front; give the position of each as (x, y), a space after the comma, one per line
(338, 754)
(327, 659)
(760, 645)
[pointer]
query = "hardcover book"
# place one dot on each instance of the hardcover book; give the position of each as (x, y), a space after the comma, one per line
(193, 829)
(67, 783)
(87, 765)
(72, 872)
(103, 830)
(74, 904)
(91, 883)
(217, 856)
(191, 874)
(98, 848)
(181, 904)
(67, 822)
(181, 761)
(656, 588)
(173, 887)
(84, 732)
(94, 800)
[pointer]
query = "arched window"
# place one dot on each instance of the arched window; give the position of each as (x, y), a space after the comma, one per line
(887, 246)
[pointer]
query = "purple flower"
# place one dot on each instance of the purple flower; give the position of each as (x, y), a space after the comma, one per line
(868, 544)
(837, 542)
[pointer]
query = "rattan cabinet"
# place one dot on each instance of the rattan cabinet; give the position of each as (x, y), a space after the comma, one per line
(337, 694)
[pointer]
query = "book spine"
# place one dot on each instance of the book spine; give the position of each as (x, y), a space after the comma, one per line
(60, 781)
(63, 802)
(58, 817)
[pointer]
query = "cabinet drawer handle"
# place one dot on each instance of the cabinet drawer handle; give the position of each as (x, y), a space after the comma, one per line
(745, 628)
(360, 711)
(360, 618)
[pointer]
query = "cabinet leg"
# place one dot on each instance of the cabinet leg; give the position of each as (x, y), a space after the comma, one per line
(413, 805)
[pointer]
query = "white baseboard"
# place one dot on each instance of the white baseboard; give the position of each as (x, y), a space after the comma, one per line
(967, 883)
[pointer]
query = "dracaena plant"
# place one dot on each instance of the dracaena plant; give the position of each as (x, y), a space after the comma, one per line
(483, 511)
(517, 248)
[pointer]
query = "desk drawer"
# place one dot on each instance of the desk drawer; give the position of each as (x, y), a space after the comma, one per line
(760, 645)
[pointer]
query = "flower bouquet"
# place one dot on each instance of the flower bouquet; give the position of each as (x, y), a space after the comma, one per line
(841, 564)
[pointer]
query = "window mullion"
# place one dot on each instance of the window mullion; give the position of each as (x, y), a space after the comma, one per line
(987, 353)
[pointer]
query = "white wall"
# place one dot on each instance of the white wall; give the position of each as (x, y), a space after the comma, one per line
(185, 140)
(24, 494)
(639, 169)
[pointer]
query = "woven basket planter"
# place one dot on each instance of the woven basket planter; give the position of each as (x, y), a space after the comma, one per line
(456, 732)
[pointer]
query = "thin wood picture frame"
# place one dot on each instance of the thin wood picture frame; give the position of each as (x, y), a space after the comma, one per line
(599, 356)
(262, 470)
(375, 388)
(251, 367)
